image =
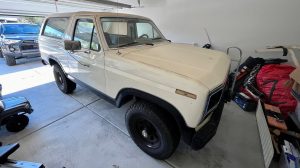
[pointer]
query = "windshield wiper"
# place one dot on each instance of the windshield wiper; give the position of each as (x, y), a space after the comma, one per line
(149, 44)
(128, 44)
(157, 38)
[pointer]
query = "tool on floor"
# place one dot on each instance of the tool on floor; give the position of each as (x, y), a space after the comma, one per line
(7, 150)
(12, 113)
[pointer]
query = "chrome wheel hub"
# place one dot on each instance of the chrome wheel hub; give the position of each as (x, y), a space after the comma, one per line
(145, 134)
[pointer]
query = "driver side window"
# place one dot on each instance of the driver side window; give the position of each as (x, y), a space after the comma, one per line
(85, 32)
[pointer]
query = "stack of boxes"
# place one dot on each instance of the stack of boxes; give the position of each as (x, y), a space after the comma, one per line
(291, 153)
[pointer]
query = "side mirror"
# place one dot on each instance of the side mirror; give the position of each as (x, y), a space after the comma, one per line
(72, 45)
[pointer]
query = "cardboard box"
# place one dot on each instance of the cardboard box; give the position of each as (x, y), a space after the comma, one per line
(295, 76)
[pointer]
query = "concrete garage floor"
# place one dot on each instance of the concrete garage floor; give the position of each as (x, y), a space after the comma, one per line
(82, 130)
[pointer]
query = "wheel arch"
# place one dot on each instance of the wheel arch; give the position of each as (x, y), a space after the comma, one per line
(53, 60)
(128, 94)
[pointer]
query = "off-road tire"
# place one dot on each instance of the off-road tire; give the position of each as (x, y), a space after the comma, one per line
(163, 129)
(63, 83)
(10, 60)
(17, 123)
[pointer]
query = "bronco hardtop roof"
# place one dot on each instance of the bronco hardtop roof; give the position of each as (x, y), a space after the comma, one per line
(98, 14)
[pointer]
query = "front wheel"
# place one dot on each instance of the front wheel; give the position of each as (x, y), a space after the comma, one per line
(151, 131)
(17, 123)
(63, 83)
(10, 60)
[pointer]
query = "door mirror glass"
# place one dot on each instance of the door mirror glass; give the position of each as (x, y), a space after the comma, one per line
(71, 45)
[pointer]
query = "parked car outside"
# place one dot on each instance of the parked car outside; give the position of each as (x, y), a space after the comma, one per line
(18, 40)
(177, 89)
(8, 20)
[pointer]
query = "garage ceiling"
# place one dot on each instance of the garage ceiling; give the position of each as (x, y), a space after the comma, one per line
(44, 7)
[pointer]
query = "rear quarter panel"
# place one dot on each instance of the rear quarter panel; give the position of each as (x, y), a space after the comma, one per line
(54, 48)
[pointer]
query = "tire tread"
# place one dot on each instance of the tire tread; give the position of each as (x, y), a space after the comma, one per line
(155, 113)
(10, 61)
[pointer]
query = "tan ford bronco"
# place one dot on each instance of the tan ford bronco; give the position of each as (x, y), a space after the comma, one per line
(177, 88)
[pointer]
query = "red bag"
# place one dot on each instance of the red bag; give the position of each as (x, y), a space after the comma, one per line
(272, 78)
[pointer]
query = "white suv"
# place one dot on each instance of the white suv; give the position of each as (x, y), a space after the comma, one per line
(178, 88)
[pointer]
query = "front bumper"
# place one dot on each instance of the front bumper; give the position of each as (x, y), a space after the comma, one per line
(208, 131)
(18, 52)
(208, 127)
(22, 54)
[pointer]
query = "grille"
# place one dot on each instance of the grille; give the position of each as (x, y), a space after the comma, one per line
(28, 41)
(213, 100)
(29, 47)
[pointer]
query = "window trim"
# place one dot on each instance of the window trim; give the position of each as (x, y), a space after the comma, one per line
(99, 49)
(45, 25)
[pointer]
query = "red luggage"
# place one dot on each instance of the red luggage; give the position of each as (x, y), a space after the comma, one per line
(271, 80)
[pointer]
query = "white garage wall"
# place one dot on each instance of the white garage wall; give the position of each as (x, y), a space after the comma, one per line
(249, 24)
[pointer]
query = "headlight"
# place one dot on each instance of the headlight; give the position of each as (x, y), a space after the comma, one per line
(8, 41)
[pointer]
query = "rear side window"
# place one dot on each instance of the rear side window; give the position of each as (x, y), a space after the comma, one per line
(56, 27)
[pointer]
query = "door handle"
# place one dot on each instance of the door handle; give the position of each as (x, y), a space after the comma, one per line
(87, 51)
(86, 65)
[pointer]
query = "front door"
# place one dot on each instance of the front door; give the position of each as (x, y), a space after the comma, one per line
(87, 65)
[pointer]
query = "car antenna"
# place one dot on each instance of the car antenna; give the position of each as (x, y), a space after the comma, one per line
(208, 45)
(118, 53)
(55, 3)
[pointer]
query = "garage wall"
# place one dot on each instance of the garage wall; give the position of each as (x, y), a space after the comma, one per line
(247, 24)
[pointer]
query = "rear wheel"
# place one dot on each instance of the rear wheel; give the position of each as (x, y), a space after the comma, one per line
(10, 60)
(63, 83)
(17, 123)
(151, 131)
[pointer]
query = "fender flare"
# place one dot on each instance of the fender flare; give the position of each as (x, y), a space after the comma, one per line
(127, 94)
(50, 58)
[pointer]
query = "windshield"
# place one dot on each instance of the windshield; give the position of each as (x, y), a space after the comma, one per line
(120, 32)
(20, 29)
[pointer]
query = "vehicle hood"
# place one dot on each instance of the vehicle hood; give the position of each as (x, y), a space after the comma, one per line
(207, 67)
(21, 36)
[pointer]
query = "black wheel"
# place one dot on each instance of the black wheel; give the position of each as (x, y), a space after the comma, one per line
(10, 60)
(64, 84)
(1, 54)
(17, 123)
(151, 131)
